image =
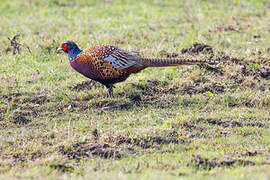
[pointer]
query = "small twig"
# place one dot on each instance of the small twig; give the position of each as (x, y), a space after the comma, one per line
(16, 46)
(28, 48)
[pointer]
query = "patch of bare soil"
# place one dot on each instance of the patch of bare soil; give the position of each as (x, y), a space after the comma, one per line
(135, 98)
(25, 103)
(87, 149)
(62, 168)
(262, 72)
(199, 88)
(251, 153)
(14, 157)
(20, 119)
(153, 93)
(26, 97)
(232, 123)
(12, 95)
(198, 48)
(37, 99)
(150, 85)
(147, 142)
(192, 130)
(206, 164)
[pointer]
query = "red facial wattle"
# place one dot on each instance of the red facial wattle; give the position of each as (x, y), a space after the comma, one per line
(65, 46)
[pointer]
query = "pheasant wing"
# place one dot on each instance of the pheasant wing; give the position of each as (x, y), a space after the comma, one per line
(122, 59)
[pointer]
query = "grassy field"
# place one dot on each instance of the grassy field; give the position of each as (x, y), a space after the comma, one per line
(190, 122)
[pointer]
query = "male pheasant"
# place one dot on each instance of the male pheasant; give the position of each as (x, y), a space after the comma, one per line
(109, 64)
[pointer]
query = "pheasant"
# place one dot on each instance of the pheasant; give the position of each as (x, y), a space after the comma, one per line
(109, 64)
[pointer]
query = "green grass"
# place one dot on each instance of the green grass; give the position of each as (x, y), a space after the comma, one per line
(163, 123)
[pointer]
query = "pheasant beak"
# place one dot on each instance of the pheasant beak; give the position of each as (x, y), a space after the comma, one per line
(59, 50)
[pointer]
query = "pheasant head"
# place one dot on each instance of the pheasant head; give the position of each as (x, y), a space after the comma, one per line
(71, 48)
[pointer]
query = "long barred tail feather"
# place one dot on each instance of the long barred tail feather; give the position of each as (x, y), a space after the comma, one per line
(160, 62)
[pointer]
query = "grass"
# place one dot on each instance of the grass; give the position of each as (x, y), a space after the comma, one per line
(185, 122)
